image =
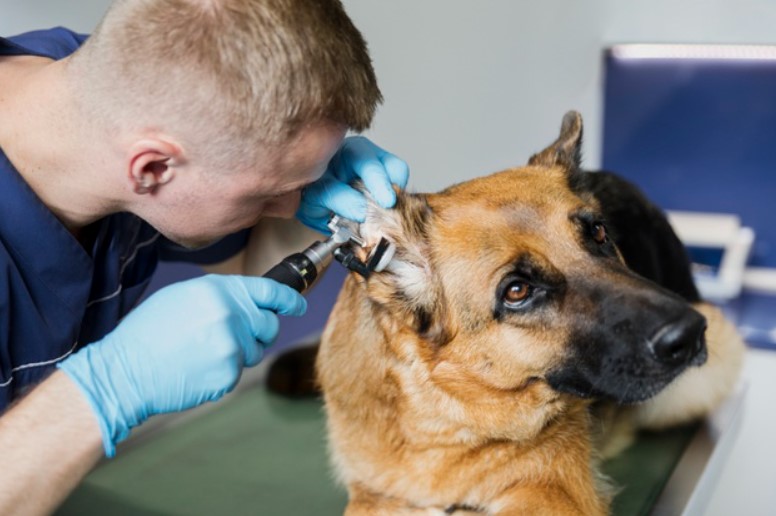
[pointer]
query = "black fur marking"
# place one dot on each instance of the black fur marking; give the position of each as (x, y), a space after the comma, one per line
(640, 230)
(452, 509)
(585, 221)
(537, 274)
(424, 320)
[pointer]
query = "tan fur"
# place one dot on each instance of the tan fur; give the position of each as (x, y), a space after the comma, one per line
(431, 403)
(482, 443)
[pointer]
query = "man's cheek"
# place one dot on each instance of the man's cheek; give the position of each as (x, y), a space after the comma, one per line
(283, 207)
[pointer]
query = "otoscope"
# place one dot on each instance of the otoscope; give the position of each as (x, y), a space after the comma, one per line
(300, 270)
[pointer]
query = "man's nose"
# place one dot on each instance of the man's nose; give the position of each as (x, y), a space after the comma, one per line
(284, 206)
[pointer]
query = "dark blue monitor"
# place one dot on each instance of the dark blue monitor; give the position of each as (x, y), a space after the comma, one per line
(695, 127)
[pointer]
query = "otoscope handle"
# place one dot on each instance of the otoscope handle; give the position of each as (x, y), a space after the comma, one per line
(297, 271)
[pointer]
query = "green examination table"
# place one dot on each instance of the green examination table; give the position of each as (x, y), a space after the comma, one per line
(259, 454)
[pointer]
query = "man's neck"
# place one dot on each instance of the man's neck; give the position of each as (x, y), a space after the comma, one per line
(42, 135)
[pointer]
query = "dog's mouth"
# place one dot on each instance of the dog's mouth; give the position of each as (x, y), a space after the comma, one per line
(624, 391)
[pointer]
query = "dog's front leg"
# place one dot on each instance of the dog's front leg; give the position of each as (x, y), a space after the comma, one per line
(547, 501)
(359, 509)
(365, 503)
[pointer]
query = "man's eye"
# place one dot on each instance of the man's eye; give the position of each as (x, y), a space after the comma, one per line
(516, 293)
(599, 233)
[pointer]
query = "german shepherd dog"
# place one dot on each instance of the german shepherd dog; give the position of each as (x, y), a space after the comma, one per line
(461, 379)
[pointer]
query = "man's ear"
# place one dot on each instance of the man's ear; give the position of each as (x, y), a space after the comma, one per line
(409, 286)
(566, 151)
(151, 163)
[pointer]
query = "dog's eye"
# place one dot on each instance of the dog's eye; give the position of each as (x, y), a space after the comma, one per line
(599, 233)
(517, 292)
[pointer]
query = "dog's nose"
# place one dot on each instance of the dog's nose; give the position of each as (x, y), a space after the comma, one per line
(679, 341)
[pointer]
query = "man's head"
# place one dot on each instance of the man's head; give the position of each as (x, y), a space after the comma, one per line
(220, 89)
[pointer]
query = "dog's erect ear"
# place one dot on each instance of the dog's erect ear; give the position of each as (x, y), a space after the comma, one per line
(566, 151)
(408, 287)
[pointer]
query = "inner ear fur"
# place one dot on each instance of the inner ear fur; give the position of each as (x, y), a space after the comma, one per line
(409, 287)
(566, 151)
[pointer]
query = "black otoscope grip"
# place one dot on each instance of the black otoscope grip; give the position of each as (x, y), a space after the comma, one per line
(297, 271)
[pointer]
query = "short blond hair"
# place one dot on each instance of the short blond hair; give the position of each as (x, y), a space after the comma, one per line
(244, 70)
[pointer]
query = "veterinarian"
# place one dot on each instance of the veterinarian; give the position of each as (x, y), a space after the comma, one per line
(176, 123)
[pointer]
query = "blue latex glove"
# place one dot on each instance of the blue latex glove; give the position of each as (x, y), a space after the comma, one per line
(185, 345)
(357, 158)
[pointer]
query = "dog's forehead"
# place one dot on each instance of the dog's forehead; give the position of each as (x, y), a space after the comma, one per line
(484, 227)
(521, 200)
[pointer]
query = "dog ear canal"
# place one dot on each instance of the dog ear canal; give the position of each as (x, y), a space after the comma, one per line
(566, 151)
(409, 288)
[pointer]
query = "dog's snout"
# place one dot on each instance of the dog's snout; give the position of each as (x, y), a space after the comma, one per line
(679, 341)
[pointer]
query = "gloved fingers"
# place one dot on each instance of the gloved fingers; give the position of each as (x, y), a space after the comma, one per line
(268, 294)
(314, 221)
(310, 211)
(330, 194)
(361, 158)
(265, 328)
(398, 170)
(255, 355)
(357, 158)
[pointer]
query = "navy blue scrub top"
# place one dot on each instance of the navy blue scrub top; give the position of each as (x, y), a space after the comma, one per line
(55, 295)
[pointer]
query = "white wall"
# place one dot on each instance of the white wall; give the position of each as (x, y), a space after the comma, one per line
(22, 15)
(473, 87)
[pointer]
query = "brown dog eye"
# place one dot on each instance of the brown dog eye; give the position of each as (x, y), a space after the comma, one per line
(599, 233)
(517, 292)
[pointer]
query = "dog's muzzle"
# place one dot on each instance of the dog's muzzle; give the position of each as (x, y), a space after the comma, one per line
(680, 341)
(635, 343)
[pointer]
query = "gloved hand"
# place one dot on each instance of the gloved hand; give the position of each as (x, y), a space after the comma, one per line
(185, 345)
(357, 158)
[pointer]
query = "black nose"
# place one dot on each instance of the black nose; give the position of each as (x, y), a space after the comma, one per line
(679, 341)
